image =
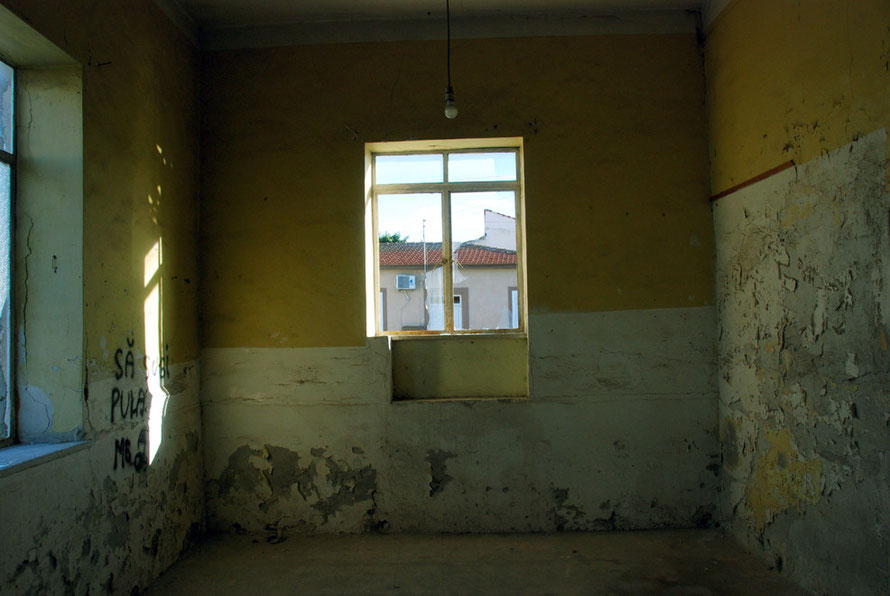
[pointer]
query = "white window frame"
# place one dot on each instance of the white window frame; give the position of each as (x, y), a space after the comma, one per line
(445, 188)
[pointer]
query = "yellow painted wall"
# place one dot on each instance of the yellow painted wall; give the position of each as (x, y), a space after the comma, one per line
(789, 80)
(616, 172)
(140, 123)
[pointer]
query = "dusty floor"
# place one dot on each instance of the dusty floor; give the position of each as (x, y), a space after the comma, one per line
(651, 562)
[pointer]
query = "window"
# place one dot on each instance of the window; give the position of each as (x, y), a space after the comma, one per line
(41, 238)
(445, 220)
(7, 186)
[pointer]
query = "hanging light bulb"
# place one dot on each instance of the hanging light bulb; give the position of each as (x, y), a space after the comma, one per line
(450, 106)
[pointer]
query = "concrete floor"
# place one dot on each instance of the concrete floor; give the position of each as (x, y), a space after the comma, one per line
(646, 562)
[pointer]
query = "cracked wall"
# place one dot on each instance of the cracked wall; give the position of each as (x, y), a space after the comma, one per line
(802, 284)
(48, 254)
(109, 515)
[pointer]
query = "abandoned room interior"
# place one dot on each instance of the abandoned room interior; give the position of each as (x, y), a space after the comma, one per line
(202, 334)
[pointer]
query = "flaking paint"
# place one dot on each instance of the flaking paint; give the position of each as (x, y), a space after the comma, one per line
(792, 81)
(802, 291)
(783, 479)
(622, 410)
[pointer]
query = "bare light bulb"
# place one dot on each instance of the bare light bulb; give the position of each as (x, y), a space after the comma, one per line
(450, 106)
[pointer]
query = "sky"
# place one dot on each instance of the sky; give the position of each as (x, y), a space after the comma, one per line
(408, 214)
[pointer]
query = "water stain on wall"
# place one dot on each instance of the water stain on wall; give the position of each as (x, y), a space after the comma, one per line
(438, 477)
(299, 495)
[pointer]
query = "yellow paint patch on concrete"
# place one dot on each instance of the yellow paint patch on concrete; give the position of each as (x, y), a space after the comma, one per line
(796, 214)
(792, 80)
(782, 480)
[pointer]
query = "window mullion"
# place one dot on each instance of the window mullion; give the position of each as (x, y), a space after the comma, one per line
(520, 261)
(520, 247)
(376, 245)
(447, 281)
(426, 187)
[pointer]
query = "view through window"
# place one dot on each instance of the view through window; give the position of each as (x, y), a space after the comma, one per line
(448, 224)
(7, 181)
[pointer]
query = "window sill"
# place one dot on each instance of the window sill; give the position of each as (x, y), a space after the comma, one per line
(438, 400)
(460, 367)
(485, 334)
(16, 458)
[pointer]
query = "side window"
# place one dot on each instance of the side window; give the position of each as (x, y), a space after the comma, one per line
(7, 185)
(41, 238)
(447, 223)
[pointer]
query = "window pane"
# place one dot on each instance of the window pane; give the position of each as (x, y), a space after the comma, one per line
(470, 219)
(484, 251)
(6, 119)
(410, 247)
(409, 169)
(481, 167)
(5, 238)
(434, 303)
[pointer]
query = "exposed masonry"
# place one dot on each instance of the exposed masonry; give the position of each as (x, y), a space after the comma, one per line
(802, 293)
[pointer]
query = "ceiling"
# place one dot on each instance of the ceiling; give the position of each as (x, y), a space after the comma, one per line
(215, 14)
(231, 24)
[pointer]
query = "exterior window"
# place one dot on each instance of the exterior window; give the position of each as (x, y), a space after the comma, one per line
(381, 309)
(447, 222)
(7, 186)
(41, 241)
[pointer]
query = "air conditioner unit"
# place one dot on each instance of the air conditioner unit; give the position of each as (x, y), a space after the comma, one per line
(405, 282)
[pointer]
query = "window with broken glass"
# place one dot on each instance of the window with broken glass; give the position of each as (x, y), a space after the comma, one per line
(7, 189)
(448, 230)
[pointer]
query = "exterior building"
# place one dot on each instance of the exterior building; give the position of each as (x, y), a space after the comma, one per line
(485, 290)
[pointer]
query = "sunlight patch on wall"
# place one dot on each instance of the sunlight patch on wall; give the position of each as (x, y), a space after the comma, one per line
(153, 346)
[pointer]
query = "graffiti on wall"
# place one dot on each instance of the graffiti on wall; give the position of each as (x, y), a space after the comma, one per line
(129, 402)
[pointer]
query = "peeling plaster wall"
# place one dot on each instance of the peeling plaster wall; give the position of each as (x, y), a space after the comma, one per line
(620, 427)
(86, 522)
(109, 515)
(804, 299)
(619, 433)
(802, 276)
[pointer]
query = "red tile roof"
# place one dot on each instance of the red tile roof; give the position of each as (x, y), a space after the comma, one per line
(410, 254)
